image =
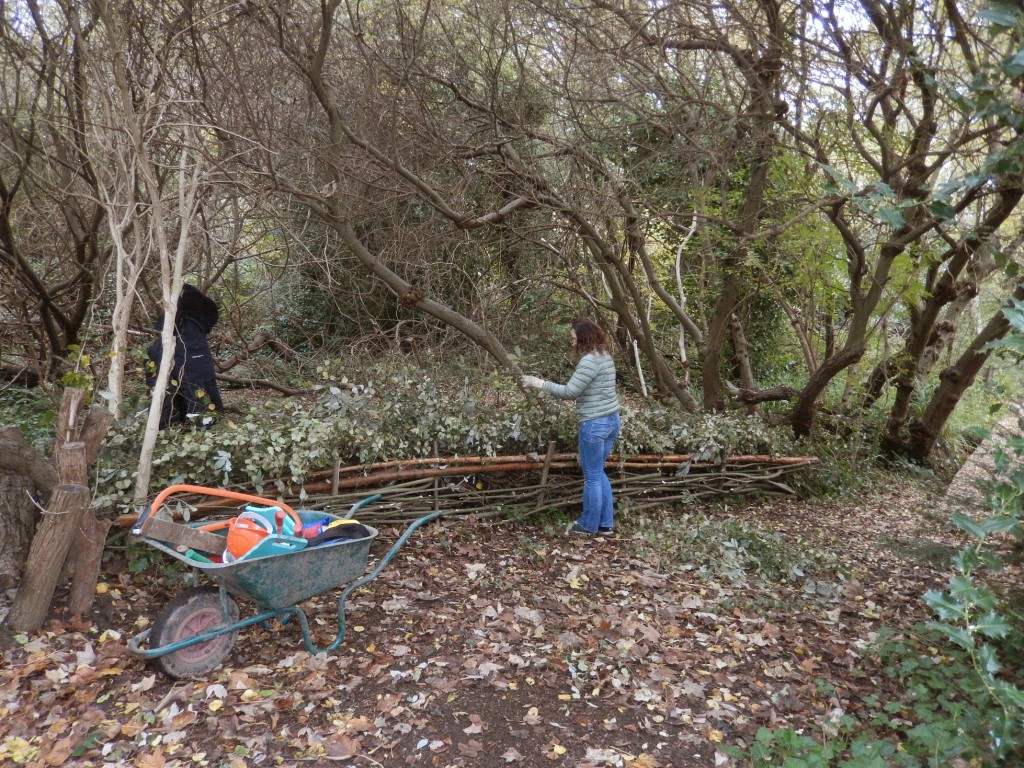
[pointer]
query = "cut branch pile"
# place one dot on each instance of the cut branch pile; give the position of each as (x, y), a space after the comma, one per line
(517, 486)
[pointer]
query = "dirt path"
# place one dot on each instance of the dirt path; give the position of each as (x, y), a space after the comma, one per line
(965, 491)
(489, 646)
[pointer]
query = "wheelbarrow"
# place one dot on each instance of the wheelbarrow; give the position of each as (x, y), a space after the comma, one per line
(198, 628)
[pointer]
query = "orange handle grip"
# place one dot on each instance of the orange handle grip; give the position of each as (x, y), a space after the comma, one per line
(169, 491)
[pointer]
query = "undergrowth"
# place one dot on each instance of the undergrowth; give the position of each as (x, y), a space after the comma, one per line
(730, 550)
(32, 410)
(960, 699)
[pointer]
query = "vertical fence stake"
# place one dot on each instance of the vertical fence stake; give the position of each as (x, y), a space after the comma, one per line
(437, 502)
(544, 475)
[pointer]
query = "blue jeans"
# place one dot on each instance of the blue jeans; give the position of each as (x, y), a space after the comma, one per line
(596, 438)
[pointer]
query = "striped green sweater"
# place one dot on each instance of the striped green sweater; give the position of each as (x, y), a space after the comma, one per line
(592, 386)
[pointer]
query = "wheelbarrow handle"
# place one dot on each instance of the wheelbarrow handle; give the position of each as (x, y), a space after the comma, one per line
(198, 489)
(143, 516)
(297, 612)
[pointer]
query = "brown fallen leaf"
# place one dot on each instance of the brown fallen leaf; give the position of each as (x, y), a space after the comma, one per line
(341, 745)
(132, 729)
(60, 751)
(150, 760)
(557, 751)
(645, 760)
(360, 724)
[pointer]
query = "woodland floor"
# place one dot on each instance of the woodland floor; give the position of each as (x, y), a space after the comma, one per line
(492, 645)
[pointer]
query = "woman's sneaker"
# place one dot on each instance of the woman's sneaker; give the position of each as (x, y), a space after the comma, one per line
(576, 528)
(602, 531)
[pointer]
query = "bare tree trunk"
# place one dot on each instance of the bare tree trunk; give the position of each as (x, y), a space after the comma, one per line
(963, 263)
(714, 342)
(741, 354)
(49, 549)
(684, 359)
(953, 382)
(23, 471)
(802, 416)
(152, 206)
(800, 329)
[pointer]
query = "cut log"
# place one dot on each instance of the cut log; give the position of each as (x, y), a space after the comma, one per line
(16, 455)
(17, 524)
(72, 464)
(69, 422)
(97, 423)
(49, 549)
(85, 561)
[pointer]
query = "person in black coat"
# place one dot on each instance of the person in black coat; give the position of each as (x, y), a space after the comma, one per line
(192, 395)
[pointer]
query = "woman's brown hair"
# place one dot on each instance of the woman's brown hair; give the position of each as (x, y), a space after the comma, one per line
(589, 337)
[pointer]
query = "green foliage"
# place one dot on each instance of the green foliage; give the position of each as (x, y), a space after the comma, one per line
(406, 413)
(961, 678)
(733, 550)
(1013, 344)
(142, 558)
(32, 411)
(943, 714)
(80, 375)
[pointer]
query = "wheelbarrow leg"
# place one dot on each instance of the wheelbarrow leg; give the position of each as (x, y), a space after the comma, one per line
(354, 586)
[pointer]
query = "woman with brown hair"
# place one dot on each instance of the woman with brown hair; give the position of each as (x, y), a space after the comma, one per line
(592, 386)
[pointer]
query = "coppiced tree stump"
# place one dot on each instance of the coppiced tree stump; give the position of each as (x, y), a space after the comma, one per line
(71, 544)
(49, 549)
(17, 524)
(86, 556)
(85, 560)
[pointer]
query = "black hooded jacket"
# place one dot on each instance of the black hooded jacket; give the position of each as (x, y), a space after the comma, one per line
(196, 316)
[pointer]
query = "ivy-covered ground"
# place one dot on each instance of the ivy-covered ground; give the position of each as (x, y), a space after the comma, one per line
(488, 645)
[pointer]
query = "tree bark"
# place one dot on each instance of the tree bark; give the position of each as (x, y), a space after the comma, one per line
(86, 556)
(97, 423)
(85, 560)
(49, 550)
(17, 523)
(69, 425)
(16, 455)
(953, 382)
(769, 394)
(741, 355)
(944, 287)
(72, 467)
(802, 417)
(85, 539)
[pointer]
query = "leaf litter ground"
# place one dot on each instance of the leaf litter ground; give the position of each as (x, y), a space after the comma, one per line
(493, 645)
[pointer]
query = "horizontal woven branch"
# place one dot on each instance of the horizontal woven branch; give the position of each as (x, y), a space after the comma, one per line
(513, 487)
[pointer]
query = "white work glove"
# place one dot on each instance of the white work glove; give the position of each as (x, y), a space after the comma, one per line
(531, 381)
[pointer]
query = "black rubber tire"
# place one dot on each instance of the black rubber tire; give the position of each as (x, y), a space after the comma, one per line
(188, 615)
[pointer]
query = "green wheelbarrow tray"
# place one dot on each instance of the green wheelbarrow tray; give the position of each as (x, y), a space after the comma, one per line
(198, 628)
(290, 577)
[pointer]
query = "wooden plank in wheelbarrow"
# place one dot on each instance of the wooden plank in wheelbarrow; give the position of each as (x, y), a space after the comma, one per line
(183, 535)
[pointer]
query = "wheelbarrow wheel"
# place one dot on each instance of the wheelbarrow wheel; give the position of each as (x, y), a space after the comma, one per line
(188, 615)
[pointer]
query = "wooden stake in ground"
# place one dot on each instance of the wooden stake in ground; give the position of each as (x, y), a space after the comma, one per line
(79, 436)
(49, 549)
(86, 555)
